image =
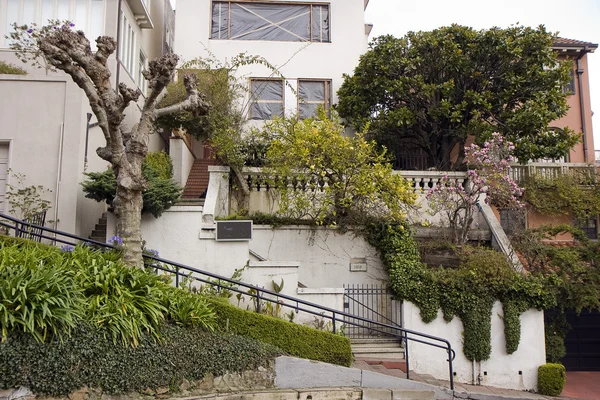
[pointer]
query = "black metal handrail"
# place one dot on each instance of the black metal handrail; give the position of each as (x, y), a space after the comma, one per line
(259, 294)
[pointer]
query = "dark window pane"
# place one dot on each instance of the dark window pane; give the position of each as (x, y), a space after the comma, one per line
(220, 21)
(320, 24)
(267, 21)
(311, 91)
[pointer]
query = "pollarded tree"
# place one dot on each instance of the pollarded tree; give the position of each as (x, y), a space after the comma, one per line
(60, 47)
(430, 90)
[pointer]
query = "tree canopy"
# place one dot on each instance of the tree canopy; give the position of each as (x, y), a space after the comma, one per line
(429, 91)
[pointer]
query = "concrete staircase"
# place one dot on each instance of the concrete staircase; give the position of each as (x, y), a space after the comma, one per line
(377, 349)
(99, 232)
(197, 182)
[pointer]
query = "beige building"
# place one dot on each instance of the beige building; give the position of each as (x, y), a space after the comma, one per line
(47, 132)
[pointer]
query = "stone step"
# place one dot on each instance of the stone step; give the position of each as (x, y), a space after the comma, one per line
(373, 340)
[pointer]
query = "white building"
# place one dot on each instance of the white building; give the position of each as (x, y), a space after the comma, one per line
(44, 131)
(312, 44)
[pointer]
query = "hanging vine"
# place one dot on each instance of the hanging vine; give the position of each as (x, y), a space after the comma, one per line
(468, 292)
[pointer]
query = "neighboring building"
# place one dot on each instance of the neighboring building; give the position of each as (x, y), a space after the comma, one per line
(45, 133)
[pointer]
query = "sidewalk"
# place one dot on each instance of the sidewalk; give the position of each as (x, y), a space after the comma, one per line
(580, 385)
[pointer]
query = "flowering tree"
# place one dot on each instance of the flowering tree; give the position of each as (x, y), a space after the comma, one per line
(58, 46)
(488, 178)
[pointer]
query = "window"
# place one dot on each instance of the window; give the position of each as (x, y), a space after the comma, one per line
(288, 22)
(569, 88)
(589, 226)
(311, 95)
(127, 45)
(142, 83)
(266, 98)
(87, 15)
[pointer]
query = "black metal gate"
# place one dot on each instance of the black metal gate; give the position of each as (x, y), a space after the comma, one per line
(374, 302)
(583, 341)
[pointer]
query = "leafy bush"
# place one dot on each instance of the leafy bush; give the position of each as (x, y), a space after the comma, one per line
(294, 339)
(7, 68)
(162, 191)
(551, 379)
(321, 175)
(36, 295)
(88, 358)
(86, 284)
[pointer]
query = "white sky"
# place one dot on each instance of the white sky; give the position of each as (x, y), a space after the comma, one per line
(573, 19)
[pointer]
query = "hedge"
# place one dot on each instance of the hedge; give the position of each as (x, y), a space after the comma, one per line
(551, 379)
(89, 358)
(296, 340)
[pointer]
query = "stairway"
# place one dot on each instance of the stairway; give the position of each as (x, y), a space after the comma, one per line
(389, 350)
(197, 182)
(99, 232)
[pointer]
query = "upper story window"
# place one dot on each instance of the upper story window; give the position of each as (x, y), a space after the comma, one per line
(311, 95)
(87, 15)
(266, 98)
(569, 88)
(142, 83)
(127, 45)
(287, 22)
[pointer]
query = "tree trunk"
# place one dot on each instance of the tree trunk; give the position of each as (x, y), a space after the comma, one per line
(128, 208)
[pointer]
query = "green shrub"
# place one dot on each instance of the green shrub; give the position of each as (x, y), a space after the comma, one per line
(189, 309)
(37, 296)
(88, 358)
(551, 379)
(7, 68)
(294, 339)
(162, 191)
(82, 283)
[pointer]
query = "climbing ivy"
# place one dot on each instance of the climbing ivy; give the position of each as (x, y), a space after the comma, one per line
(468, 292)
(577, 193)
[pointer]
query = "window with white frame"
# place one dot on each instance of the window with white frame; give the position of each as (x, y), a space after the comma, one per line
(142, 83)
(288, 22)
(127, 46)
(87, 15)
(311, 95)
(266, 98)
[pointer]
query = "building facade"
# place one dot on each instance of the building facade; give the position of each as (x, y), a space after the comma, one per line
(48, 133)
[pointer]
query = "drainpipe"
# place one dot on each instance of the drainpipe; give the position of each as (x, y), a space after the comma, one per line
(581, 104)
(117, 75)
(59, 173)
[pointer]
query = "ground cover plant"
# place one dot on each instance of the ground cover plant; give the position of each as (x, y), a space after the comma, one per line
(76, 317)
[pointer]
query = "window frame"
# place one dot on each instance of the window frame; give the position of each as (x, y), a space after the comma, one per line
(254, 100)
(305, 3)
(326, 102)
(128, 46)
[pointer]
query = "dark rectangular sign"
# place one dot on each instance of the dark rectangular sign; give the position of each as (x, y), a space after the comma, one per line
(230, 231)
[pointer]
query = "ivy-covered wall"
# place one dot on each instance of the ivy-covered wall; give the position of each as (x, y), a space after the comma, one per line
(502, 368)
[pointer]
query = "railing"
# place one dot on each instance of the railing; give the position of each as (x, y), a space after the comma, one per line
(373, 302)
(421, 181)
(259, 295)
(585, 172)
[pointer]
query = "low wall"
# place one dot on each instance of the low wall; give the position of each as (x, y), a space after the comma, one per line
(514, 371)
(327, 257)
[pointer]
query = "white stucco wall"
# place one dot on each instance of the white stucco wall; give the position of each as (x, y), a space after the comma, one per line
(325, 255)
(515, 371)
(293, 59)
(182, 160)
(42, 123)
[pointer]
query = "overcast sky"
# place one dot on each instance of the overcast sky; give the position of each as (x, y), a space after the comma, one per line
(573, 19)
